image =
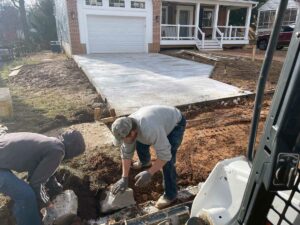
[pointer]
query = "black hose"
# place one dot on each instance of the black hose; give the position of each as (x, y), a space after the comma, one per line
(263, 77)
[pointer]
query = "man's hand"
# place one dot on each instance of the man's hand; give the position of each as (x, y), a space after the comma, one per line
(120, 186)
(49, 214)
(142, 179)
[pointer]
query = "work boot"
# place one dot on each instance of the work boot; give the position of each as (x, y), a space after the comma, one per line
(138, 165)
(164, 202)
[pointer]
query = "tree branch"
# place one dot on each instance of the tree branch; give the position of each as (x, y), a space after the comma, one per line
(15, 3)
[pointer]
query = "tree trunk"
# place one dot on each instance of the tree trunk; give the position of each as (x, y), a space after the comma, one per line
(24, 20)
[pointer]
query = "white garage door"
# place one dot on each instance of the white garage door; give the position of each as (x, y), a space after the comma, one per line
(114, 34)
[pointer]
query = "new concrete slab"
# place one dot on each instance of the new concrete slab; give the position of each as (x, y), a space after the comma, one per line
(130, 81)
(6, 109)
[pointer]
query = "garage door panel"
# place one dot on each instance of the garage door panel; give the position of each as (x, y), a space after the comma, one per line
(116, 34)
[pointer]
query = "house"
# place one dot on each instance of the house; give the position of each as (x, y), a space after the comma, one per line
(10, 29)
(267, 12)
(120, 26)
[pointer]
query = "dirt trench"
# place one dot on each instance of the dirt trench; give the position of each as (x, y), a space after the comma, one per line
(213, 133)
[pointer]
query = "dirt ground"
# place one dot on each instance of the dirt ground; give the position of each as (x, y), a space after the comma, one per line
(50, 91)
(279, 55)
(55, 93)
(235, 70)
(215, 132)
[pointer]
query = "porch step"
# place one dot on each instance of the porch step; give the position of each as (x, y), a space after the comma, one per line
(209, 45)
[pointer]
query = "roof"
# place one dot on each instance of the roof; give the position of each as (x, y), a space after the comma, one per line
(273, 5)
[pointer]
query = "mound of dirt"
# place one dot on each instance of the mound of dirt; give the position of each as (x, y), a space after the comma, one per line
(54, 74)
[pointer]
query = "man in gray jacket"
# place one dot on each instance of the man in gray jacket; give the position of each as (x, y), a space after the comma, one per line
(163, 128)
(40, 156)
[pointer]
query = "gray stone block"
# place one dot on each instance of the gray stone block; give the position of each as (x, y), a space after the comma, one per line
(113, 202)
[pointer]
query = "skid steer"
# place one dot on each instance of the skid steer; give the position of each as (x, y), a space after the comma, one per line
(263, 189)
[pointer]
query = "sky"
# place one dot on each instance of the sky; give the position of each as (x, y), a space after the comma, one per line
(30, 2)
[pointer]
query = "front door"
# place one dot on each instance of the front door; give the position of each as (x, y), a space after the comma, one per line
(206, 21)
(185, 17)
(184, 20)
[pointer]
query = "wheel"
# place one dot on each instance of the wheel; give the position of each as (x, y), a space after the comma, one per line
(263, 44)
(279, 47)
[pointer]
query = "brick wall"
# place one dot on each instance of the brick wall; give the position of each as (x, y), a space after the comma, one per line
(222, 16)
(76, 46)
(155, 46)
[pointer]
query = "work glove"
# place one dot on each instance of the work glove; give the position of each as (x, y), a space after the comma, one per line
(120, 186)
(54, 187)
(142, 179)
(49, 215)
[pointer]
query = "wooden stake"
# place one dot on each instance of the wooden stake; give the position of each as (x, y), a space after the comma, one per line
(253, 52)
(112, 112)
(97, 114)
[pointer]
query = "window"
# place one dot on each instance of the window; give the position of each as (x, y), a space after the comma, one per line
(207, 20)
(267, 18)
(93, 2)
(164, 15)
(117, 3)
(138, 4)
(290, 16)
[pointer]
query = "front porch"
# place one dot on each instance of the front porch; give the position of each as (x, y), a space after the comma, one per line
(206, 24)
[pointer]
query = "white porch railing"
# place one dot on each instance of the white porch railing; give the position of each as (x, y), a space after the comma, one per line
(199, 31)
(177, 32)
(233, 32)
(219, 37)
(221, 34)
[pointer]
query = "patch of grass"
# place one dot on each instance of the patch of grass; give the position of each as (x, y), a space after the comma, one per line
(49, 103)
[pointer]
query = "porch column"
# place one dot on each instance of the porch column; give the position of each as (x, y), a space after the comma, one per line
(248, 19)
(197, 19)
(216, 20)
(227, 17)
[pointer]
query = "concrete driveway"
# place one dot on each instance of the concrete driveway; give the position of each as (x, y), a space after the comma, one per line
(130, 81)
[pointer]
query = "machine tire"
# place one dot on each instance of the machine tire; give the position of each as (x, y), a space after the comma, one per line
(262, 44)
(279, 47)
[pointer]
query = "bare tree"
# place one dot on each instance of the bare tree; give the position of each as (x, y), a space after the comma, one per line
(20, 5)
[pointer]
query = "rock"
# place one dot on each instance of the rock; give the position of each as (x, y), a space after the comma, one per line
(113, 202)
(6, 217)
(235, 101)
(64, 205)
(16, 68)
(3, 129)
(98, 105)
(6, 109)
(68, 220)
(14, 73)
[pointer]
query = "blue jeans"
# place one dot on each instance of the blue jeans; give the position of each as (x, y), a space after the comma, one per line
(169, 170)
(25, 207)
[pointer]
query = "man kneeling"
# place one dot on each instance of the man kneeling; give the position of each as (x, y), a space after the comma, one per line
(40, 156)
(161, 127)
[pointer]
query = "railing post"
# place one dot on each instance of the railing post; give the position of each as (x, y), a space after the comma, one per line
(222, 35)
(235, 33)
(178, 31)
(247, 25)
(230, 31)
(197, 19)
